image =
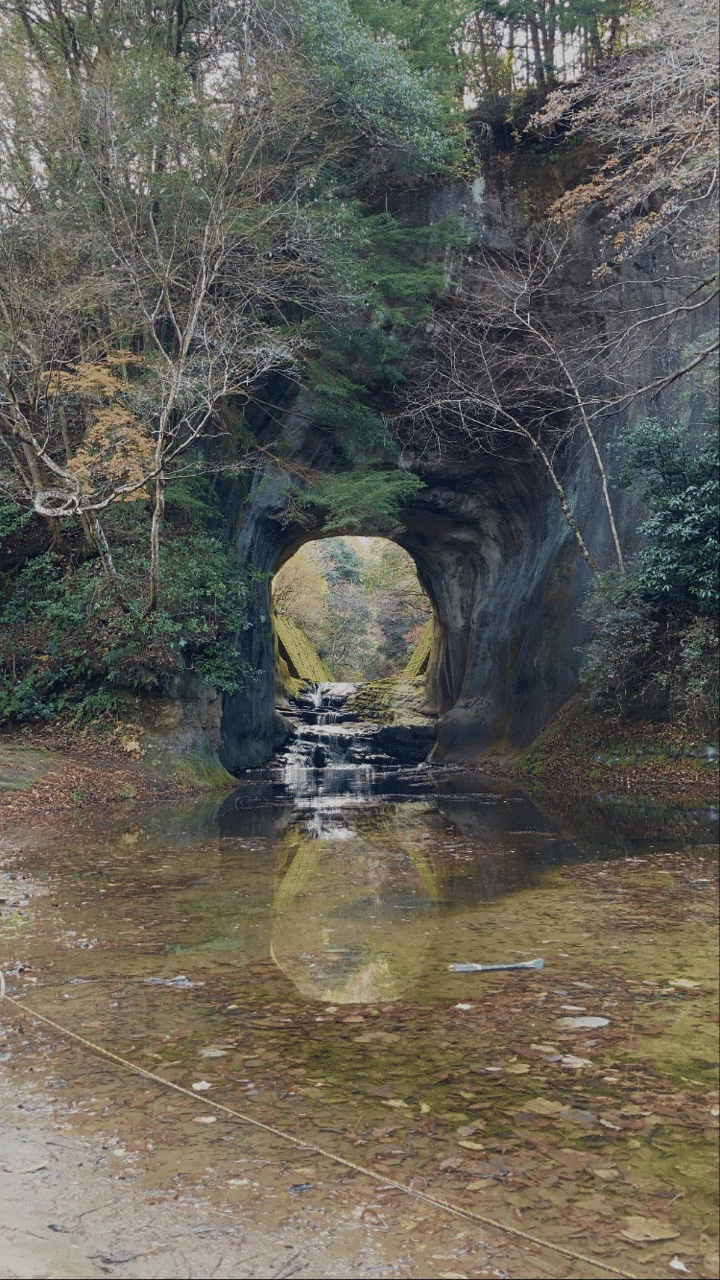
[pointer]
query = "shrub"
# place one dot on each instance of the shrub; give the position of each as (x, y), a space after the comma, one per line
(655, 647)
(681, 485)
(68, 640)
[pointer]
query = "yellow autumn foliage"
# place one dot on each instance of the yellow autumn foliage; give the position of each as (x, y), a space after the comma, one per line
(117, 449)
(91, 377)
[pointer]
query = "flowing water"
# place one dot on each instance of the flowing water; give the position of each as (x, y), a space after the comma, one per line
(285, 951)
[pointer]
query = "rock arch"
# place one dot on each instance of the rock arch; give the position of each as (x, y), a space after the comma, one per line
(493, 552)
(490, 543)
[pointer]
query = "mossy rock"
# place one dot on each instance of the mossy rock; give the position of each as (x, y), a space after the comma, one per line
(296, 655)
(392, 700)
(21, 767)
(420, 656)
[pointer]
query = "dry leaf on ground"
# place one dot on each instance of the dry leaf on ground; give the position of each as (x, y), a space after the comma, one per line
(542, 1107)
(647, 1230)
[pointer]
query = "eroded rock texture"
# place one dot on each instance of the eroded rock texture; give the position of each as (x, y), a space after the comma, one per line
(490, 542)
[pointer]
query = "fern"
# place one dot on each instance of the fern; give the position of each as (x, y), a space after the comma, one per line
(363, 499)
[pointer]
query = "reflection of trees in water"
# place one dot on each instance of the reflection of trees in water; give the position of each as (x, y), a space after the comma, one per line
(352, 921)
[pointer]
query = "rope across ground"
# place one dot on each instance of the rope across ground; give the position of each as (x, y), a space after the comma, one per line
(437, 1202)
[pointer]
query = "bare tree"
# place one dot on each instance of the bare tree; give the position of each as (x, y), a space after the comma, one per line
(503, 377)
(653, 112)
(520, 363)
(158, 244)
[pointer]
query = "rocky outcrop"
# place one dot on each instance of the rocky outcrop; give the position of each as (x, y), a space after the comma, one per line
(407, 744)
(492, 547)
(418, 661)
(297, 661)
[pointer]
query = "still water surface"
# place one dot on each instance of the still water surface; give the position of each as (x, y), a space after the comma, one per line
(287, 950)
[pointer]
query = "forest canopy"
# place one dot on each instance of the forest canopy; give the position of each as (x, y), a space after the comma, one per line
(185, 213)
(199, 212)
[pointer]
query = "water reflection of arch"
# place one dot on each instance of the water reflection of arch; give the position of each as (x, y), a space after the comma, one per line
(352, 919)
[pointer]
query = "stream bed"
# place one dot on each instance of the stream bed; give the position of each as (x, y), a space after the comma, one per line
(285, 951)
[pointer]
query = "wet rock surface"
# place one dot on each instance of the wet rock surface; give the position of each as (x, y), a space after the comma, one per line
(327, 734)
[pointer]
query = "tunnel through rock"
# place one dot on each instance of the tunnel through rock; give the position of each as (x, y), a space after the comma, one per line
(496, 559)
(348, 614)
(357, 601)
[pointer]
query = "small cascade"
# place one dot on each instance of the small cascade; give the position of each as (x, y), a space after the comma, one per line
(325, 704)
(331, 752)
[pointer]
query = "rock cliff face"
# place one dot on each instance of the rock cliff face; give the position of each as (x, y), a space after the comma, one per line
(492, 549)
(296, 661)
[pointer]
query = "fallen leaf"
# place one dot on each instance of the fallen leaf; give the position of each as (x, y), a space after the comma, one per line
(471, 1146)
(424, 1108)
(518, 1068)
(480, 1184)
(607, 1175)
(572, 1063)
(542, 1107)
(205, 1120)
(394, 1102)
(201, 1085)
(576, 1116)
(647, 1230)
(212, 1052)
(142, 1098)
(468, 1130)
(369, 1215)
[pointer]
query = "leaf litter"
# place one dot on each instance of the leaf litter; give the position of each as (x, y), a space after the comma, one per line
(568, 1151)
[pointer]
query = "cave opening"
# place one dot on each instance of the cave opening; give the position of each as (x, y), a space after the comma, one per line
(356, 605)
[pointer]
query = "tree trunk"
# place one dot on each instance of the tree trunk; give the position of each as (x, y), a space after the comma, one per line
(157, 519)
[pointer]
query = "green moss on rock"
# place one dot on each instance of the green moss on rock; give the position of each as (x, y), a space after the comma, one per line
(296, 657)
(393, 700)
(420, 656)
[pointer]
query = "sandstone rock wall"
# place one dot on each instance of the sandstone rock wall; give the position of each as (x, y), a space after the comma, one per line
(297, 653)
(489, 539)
(419, 659)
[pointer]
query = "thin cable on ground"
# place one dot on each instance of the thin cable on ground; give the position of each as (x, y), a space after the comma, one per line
(436, 1201)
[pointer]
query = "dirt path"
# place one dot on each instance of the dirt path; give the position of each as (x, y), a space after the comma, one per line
(64, 1214)
(69, 1211)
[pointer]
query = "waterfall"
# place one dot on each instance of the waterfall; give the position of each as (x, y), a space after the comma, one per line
(331, 752)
